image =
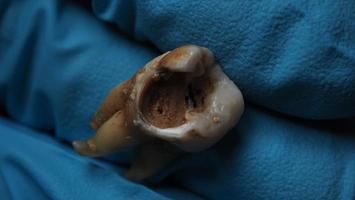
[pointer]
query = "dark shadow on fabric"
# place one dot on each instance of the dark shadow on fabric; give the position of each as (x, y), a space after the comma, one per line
(344, 127)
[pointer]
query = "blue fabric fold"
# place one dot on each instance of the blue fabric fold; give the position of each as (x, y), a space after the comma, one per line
(35, 166)
(295, 57)
(58, 61)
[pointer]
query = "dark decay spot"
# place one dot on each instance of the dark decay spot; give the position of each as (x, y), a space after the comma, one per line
(166, 98)
(190, 98)
(194, 134)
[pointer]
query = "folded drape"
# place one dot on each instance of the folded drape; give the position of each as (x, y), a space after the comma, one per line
(58, 60)
(295, 57)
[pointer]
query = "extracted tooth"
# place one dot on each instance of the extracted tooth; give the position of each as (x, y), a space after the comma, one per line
(181, 99)
(194, 106)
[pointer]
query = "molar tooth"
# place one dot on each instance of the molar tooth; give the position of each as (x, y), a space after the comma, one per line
(181, 99)
(212, 111)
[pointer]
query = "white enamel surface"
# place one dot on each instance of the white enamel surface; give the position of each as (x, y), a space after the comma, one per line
(187, 62)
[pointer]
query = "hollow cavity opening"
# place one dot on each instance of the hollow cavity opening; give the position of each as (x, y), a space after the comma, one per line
(166, 100)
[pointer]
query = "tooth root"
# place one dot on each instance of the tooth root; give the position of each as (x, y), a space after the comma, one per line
(152, 158)
(115, 134)
(114, 102)
(85, 147)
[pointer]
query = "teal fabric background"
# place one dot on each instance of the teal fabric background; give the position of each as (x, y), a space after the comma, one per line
(296, 57)
(294, 62)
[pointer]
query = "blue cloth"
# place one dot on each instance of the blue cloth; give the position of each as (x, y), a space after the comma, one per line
(292, 60)
(296, 57)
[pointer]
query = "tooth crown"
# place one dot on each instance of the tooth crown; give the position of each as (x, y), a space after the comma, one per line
(204, 124)
(179, 102)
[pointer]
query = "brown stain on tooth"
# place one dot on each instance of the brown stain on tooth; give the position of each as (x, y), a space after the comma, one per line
(167, 95)
(194, 134)
(175, 56)
(199, 90)
(216, 119)
(141, 71)
(163, 102)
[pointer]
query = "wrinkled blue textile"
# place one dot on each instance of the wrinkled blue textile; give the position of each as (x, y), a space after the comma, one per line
(296, 57)
(294, 61)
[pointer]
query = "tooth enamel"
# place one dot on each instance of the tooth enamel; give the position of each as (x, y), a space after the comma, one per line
(181, 97)
(223, 100)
